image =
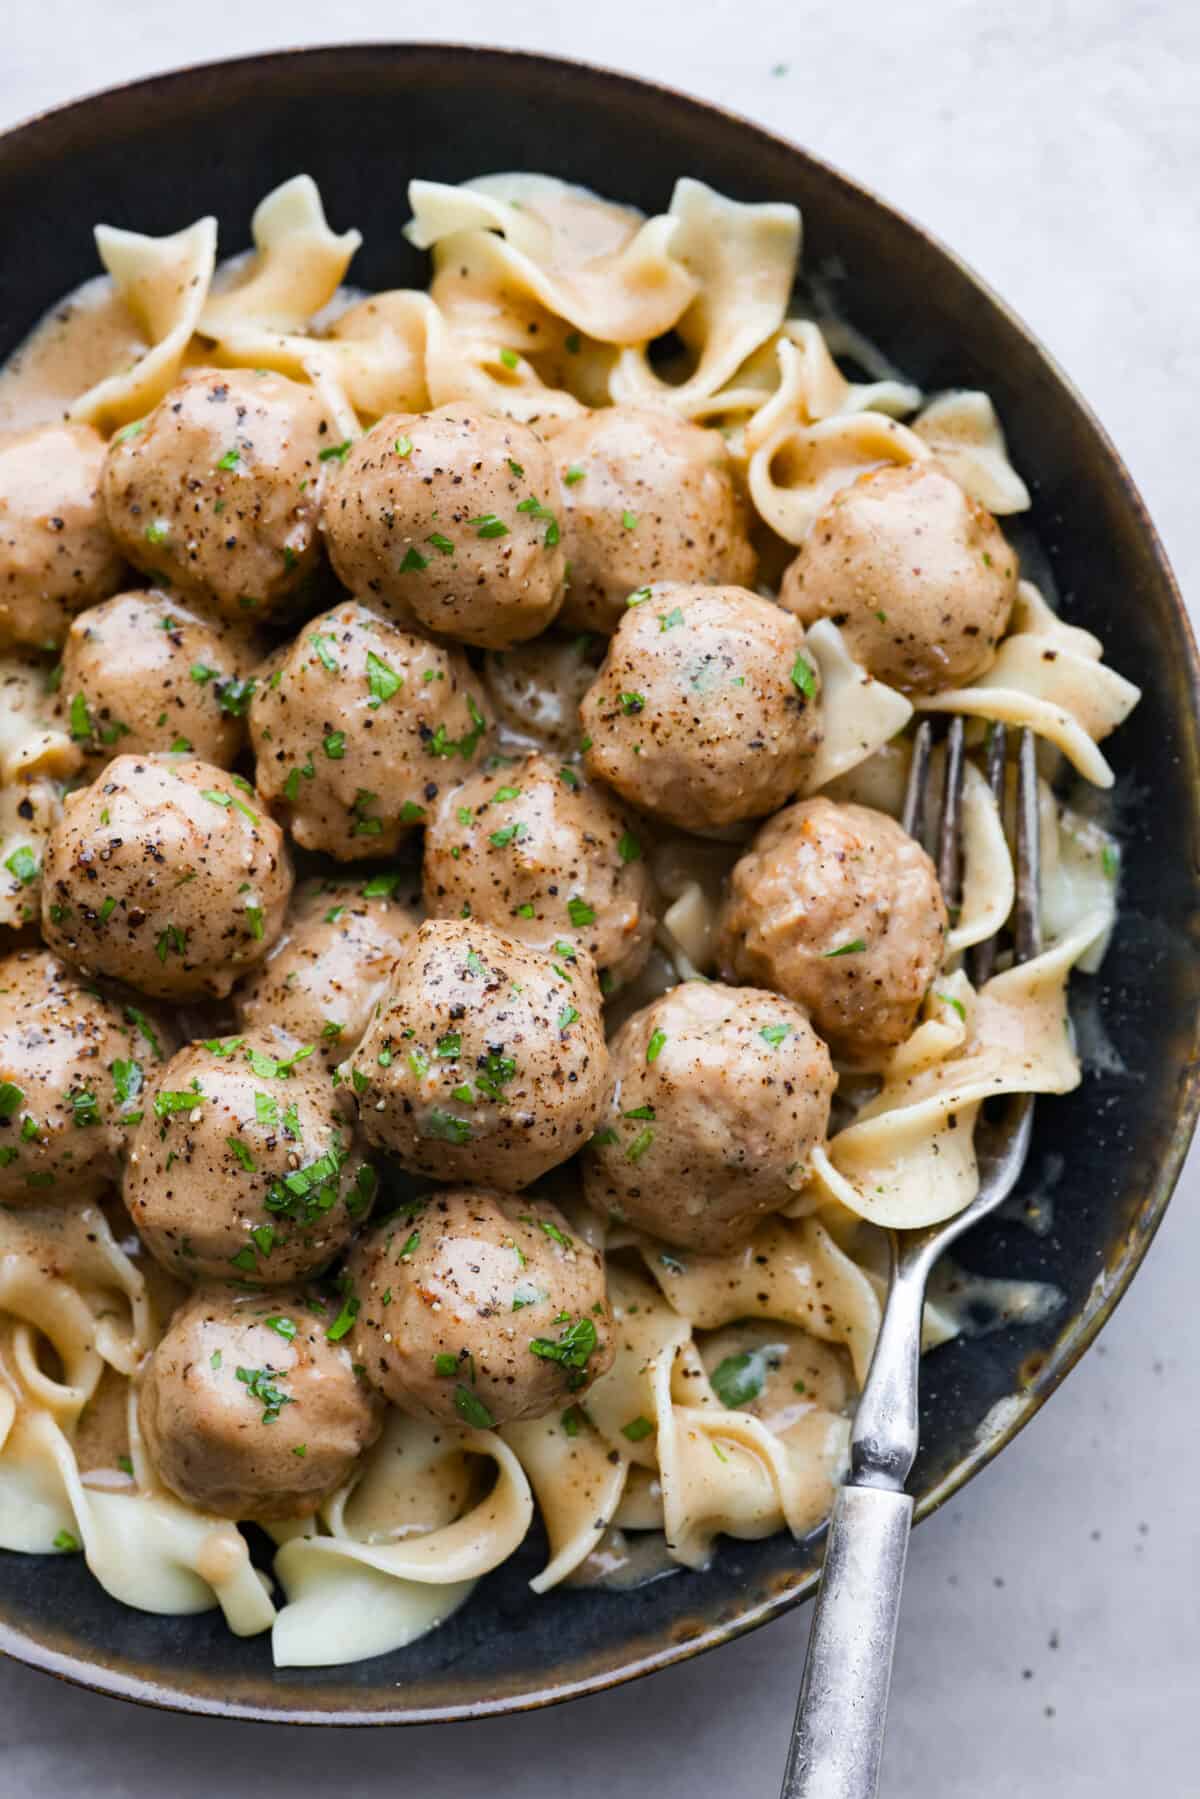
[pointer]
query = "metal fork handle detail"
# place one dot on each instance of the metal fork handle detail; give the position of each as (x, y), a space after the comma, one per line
(837, 1739)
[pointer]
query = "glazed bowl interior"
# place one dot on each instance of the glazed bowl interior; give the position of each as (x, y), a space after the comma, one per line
(363, 121)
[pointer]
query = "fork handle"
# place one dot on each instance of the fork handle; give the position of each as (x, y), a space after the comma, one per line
(837, 1739)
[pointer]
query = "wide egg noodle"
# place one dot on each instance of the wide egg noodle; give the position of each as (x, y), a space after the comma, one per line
(908, 1159)
(163, 283)
(791, 1270)
(349, 1597)
(502, 229)
(296, 269)
(858, 713)
(577, 1481)
(743, 261)
(1049, 676)
(962, 430)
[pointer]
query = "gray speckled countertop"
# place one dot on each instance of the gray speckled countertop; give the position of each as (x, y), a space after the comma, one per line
(1050, 1643)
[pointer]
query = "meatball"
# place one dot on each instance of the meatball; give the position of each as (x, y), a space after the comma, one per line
(248, 1410)
(486, 1060)
(168, 873)
(534, 851)
(329, 970)
(358, 728)
(218, 490)
(72, 1064)
(480, 1309)
(916, 573)
(646, 497)
(447, 517)
(706, 710)
(56, 552)
(140, 672)
(245, 1163)
(840, 909)
(717, 1098)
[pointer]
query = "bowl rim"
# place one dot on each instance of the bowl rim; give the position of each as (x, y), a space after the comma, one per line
(1011, 1415)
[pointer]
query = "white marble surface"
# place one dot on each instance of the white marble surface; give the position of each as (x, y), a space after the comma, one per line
(1050, 1643)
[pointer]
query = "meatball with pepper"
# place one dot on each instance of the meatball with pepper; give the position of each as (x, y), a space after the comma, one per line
(329, 970)
(73, 1062)
(837, 907)
(645, 497)
(358, 727)
(718, 1097)
(918, 576)
(485, 1060)
(246, 1163)
(167, 873)
(479, 1309)
(217, 491)
(57, 554)
(707, 708)
(538, 852)
(447, 518)
(248, 1410)
(143, 672)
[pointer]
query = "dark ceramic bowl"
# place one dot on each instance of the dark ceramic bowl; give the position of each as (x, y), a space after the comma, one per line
(362, 121)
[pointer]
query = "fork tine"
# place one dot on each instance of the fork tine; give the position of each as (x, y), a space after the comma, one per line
(1028, 931)
(913, 816)
(982, 959)
(949, 829)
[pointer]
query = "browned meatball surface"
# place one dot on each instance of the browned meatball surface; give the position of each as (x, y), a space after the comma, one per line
(358, 727)
(246, 1163)
(480, 1309)
(718, 1096)
(57, 554)
(538, 852)
(707, 708)
(248, 1410)
(330, 969)
(837, 907)
(217, 491)
(917, 574)
(143, 672)
(485, 1060)
(645, 497)
(72, 1067)
(447, 517)
(167, 873)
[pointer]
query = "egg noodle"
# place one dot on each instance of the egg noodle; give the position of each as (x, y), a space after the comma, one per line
(726, 1408)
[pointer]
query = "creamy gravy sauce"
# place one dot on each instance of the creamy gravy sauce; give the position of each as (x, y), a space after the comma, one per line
(78, 342)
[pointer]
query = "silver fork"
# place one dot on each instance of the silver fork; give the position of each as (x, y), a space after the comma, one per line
(837, 1739)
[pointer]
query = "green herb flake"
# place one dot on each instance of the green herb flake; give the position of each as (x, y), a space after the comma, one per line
(774, 1034)
(382, 681)
(472, 1410)
(335, 452)
(23, 866)
(637, 1429)
(854, 948)
(803, 678)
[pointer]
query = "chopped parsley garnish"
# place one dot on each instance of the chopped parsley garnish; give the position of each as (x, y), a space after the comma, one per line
(445, 1365)
(654, 1047)
(580, 913)
(230, 459)
(441, 745)
(382, 886)
(637, 1429)
(854, 948)
(403, 446)
(567, 1017)
(445, 1128)
(80, 718)
(631, 703)
(488, 525)
(344, 1321)
(948, 999)
(171, 940)
(472, 1410)
(283, 1327)
(84, 1109)
(640, 1144)
(234, 695)
(629, 520)
(509, 358)
(382, 681)
(739, 1378)
(260, 1385)
(628, 847)
(667, 621)
(23, 865)
(241, 1153)
(335, 745)
(536, 510)
(572, 1349)
(335, 452)
(575, 473)
(803, 678)
(774, 1034)
(413, 562)
(66, 1542)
